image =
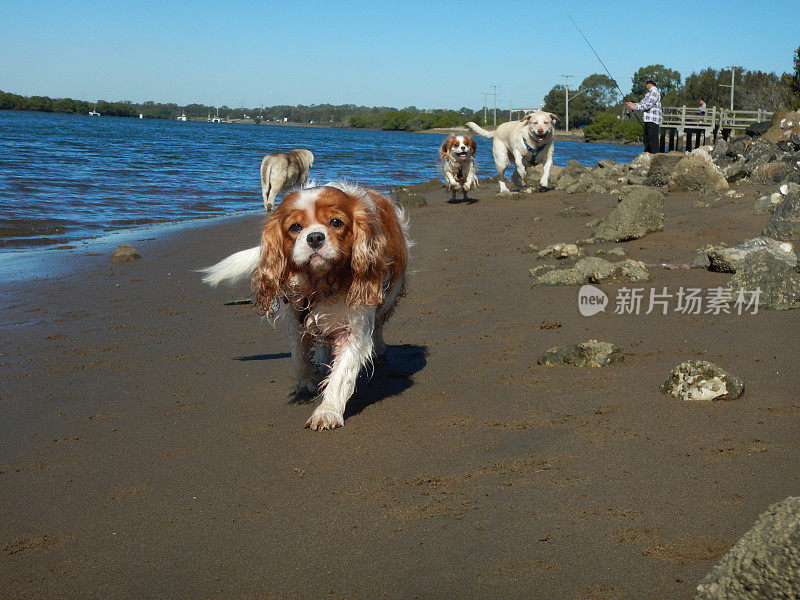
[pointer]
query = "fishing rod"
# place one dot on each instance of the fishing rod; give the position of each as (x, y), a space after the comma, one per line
(604, 66)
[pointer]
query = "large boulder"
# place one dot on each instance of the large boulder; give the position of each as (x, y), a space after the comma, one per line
(700, 380)
(640, 211)
(696, 172)
(727, 260)
(776, 283)
(785, 222)
(661, 168)
(591, 182)
(767, 205)
(793, 160)
(757, 129)
(764, 563)
(734, 170)
(772, 172)
(641, 163)
(720, 149)
(759, 152)
(783, 121)
(568, 175)
(534, 174)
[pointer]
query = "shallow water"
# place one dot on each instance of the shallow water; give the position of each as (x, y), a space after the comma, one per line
(67, 178)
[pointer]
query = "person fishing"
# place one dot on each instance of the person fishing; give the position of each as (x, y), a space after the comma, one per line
(651, 115)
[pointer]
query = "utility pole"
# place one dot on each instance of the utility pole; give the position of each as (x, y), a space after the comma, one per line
(494, 87)
(510, 105)
(566, 101)
(733, 73)
(484, 106)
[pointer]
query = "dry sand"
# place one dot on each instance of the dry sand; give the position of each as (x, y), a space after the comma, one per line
(151, 446)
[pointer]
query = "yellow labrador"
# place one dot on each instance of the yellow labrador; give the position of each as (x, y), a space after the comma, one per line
(529, 140)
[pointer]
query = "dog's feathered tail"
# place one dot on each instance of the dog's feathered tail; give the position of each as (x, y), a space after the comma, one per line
(480, 130)
(234, 268)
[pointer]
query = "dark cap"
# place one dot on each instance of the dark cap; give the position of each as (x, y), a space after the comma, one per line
(650, 81)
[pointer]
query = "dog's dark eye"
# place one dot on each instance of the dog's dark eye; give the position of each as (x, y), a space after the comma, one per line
(295, 227)
(336, 223)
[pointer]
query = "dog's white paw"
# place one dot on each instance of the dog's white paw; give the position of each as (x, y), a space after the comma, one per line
(322, 418)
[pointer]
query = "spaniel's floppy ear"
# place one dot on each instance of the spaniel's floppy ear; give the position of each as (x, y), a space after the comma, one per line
(369, 260)
(527, 118)
(445, 149)
(270, 272)
(472, 144)
(553, 116)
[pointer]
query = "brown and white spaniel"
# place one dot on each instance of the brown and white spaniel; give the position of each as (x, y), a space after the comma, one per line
(457, 156)
(333, 260)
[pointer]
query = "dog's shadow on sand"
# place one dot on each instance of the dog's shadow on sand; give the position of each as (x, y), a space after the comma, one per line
(275, 356)
(462, 201)
(387, 377)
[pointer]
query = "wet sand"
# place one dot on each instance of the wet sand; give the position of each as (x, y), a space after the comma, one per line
(152, 448)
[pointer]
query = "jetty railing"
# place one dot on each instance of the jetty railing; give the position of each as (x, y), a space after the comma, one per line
(685, 127)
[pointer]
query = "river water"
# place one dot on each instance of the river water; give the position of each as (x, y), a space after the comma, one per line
(67, 179)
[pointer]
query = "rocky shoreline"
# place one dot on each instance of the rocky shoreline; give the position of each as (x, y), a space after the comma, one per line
(572, 406)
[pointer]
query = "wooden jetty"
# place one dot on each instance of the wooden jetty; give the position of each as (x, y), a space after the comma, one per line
(686, 128)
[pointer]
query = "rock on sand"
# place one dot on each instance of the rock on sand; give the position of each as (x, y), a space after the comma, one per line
(639, 212)
(124, 253)
(585, 354)
(702, 380)
(764, 563)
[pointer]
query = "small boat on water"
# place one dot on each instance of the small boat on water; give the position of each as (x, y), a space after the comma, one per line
(93, 112)
(182, 118)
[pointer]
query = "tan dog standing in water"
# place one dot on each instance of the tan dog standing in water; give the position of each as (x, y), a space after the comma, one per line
(529, 140)
(283, 170)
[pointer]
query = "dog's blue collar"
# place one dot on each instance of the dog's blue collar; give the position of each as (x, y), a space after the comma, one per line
(531, 150)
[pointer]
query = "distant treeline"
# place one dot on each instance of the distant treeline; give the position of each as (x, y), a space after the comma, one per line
(595, 104)
(344, 115)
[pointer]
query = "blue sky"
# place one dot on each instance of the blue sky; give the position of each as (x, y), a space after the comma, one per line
(434, 54)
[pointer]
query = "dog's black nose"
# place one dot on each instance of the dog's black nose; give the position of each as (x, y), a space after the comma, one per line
(315, 239)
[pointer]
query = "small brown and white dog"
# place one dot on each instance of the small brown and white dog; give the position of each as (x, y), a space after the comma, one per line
(457, 156)
(284, 170)
(529, 140)
(333, 260)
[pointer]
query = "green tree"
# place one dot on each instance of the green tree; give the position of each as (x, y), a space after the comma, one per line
(759, 90)
(791, 81)
(601, 91)
(704, 85)
(612, 125)
(666, 80)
